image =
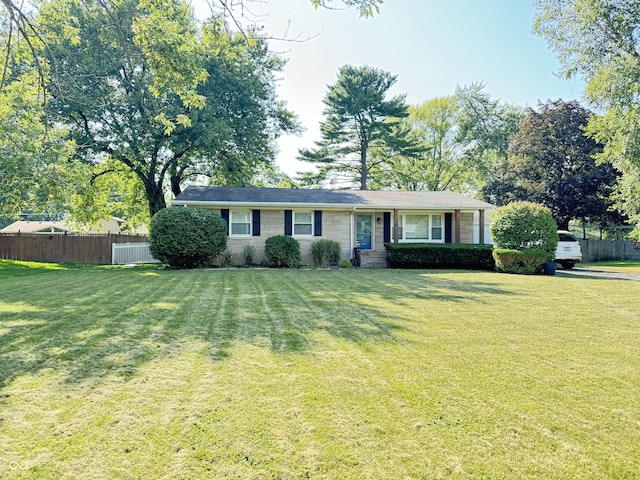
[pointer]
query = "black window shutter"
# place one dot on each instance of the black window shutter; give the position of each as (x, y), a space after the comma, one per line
(317, 223)
(224, 213)
(448, 222)
(255, 228)
(288, 222)
(387, 227)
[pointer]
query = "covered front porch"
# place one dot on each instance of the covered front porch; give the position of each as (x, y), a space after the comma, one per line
(373, 229)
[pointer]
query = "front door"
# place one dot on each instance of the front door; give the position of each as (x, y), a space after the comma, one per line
(364, 231)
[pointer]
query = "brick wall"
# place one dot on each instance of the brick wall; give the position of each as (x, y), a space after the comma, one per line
(335, 226)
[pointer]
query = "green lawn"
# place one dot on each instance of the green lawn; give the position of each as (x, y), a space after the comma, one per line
(327, 374)
(626, 266)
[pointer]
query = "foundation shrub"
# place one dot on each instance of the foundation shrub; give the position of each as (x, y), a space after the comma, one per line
(282, 251)
(325, 253)
(227, 259)
(450, 256)
(249, 255)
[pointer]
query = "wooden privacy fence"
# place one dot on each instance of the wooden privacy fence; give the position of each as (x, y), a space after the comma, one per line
(603, 250)
(62, 248)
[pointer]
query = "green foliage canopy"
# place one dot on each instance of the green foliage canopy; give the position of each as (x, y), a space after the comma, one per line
(140, 83)
(34, 156)
(439, 162)
(461, 143)
(552, 162)
(485, 127)
(598, 40)
(107, 93)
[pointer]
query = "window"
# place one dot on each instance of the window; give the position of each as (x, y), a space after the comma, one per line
(302, 223)
(240, 222)
(436, 227)
(416, 227)
(421, 228)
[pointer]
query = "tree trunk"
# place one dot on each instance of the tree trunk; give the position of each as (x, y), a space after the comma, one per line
(175, 186)
(363, 167)
(155, 197)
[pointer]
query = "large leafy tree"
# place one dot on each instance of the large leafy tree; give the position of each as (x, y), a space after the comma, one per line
(463, 141)
(552, 162)
(34, 156)
(439, 162)
(359, 118)
(107, 88)
(20, 17)
(598, 40)
(485, 129)
(206, 99)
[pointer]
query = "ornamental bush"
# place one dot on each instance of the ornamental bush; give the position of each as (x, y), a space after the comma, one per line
(282, 251)
(525, 226)
(325, 253)
(187, 237)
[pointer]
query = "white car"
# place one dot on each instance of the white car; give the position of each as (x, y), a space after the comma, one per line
(568, 252)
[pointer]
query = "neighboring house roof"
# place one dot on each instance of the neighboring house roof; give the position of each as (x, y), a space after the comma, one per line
(333, 199)
(24, 226)
(28, 226)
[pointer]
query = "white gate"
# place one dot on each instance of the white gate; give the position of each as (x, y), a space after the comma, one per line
(127, 253)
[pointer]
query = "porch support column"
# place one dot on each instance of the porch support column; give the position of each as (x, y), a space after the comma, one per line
(481, 227)
(456, 219)
(396, 221)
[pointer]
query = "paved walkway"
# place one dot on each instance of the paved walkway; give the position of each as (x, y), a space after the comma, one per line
(595, 273)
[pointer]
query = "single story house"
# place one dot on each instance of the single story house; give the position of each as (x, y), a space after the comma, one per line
(358, 219)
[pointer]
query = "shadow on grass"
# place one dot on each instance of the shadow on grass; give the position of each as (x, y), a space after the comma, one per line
(99, 321)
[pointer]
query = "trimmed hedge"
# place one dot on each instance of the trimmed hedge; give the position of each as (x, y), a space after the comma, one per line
(187, 237)
(430, 255)
(282, 251)
(525, 262)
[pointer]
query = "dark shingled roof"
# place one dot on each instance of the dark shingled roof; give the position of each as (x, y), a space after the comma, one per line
(279, 197)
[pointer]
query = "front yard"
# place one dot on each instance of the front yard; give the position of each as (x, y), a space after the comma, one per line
(110, 372)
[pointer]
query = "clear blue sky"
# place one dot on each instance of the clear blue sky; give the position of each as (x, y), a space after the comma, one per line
(431, 45)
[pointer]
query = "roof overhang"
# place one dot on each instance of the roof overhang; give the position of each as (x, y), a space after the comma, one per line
(320, 206)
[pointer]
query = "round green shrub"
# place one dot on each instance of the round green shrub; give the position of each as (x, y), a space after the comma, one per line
(282, 251)
(187, 237)
(525, 226)
(325, 253)
(346, 264)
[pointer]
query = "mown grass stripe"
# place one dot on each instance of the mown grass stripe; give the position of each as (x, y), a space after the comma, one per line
(318, 374)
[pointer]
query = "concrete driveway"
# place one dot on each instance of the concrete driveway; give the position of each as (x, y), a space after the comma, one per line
(595, 273)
